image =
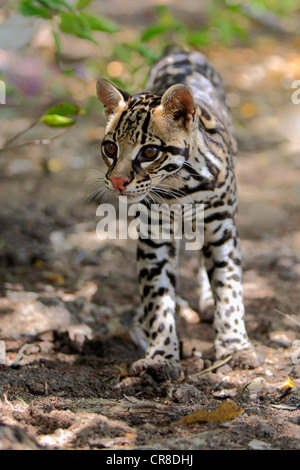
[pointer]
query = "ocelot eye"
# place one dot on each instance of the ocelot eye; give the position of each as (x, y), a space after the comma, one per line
(150, 151)
(110, 149)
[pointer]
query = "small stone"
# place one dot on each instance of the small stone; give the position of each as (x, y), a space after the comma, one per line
(47, 336)
(186, 393)
(256, 385)
(283, 338)
(46, 346)
(259, 445)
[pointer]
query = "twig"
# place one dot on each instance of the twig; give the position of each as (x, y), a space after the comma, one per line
(6, 401)
(32, 142)
(20, 353)
(285, 407)
(270, 20)
(15, 137)
(288, 316)
(216, 365)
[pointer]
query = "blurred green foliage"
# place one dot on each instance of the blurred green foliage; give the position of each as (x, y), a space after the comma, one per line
(220, 21)
(223, 21)
(226, 22)
(73, 19)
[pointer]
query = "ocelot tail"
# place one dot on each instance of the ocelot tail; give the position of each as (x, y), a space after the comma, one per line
(174, 143)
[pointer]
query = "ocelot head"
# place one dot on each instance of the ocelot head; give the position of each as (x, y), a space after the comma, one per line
(147, 137)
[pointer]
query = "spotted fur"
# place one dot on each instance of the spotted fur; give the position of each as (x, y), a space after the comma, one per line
(183, 115)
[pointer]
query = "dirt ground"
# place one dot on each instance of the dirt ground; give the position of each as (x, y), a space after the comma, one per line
(68, 299)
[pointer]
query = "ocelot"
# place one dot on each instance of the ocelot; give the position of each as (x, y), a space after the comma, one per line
(175, 143)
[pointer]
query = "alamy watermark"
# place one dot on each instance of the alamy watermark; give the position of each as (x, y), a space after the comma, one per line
(2, 92)
(157, 222)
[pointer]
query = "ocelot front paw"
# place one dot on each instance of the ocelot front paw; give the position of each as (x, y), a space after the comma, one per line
(159, 370)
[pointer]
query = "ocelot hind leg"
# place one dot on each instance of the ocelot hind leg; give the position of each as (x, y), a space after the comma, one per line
(223, 263)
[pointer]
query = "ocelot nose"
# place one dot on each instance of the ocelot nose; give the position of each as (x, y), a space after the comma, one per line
(120, 183)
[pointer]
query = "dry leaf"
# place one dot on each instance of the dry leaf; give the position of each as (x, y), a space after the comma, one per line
(130, 434)
(227, 410)
(288, 383)
(57, 278)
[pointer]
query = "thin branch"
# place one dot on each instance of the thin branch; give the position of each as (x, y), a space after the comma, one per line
(16, 136)
(31, 142)
(214, 366)
(289, 317)
(270, 20)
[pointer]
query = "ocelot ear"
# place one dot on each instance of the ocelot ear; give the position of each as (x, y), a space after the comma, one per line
(178, 101)
(110, 96)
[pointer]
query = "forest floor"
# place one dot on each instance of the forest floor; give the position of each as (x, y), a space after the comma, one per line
(67, 299)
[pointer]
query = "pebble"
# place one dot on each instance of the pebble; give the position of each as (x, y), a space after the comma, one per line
(259, 445)
(256, 386)
(187, 393)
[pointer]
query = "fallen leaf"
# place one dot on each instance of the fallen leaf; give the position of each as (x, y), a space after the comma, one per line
(227, 410)
(57, 278)
(130, 434)
(288, 383)
(38, 263)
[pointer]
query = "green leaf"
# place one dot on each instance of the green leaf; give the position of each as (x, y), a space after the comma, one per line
(152, 31)
(122, 51)
(145, 51)
(63, 109)
(83, 3)
(44, 8)
(27, 8)
(68, 5)
(199, 37)
(77, 25)
(100, 23)
(52, 5)
(240, 31)
(226, 31)
(55, 120)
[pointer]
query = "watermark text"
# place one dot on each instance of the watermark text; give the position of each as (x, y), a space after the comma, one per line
(161, 222)
(296, 93)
